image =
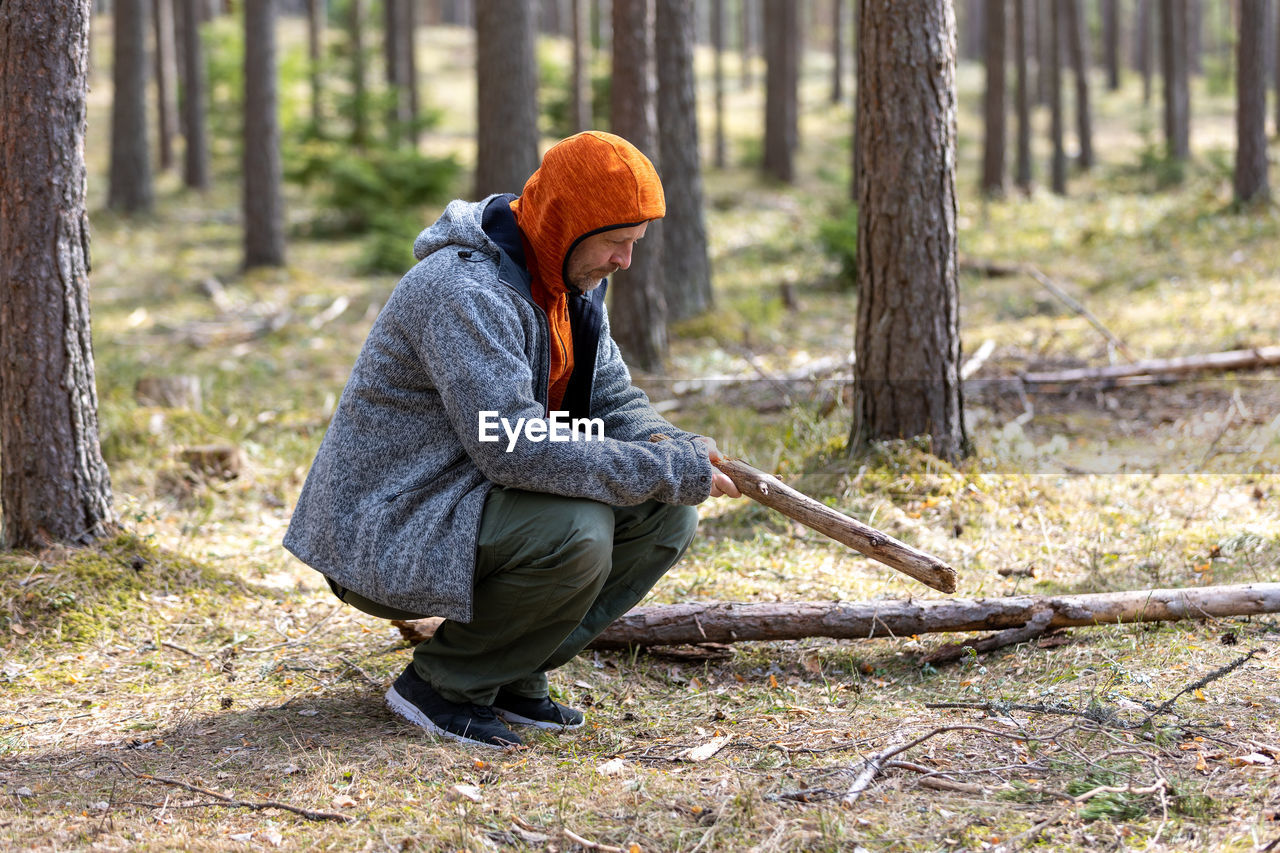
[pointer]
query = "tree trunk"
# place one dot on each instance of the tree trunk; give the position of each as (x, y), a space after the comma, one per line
(719, 148)
(686, 269)
(263, 199)
(638, 293)
(1111, 42)
(1058, 165)
(195, 157)
(359, 84)
(580, 95)
(1144, 46)
(837, 51)
(315, 57)
(129, 181)
(166, 80)
(781, 115)
(1177, 103)
(506, 95)
(1022, 169)
(1251, 103)
(54, 485)
(908, 339)
(994, 101)
(1078, 47)
(728, 622)
(409, 59)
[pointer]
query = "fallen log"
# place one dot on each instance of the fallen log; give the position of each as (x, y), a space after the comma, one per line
(728, 622)
(1215, 361)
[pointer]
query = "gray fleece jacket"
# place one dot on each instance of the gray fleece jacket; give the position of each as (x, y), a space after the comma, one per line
(391, 507)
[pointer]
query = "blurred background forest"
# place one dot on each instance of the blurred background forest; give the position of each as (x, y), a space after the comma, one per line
(257, 172)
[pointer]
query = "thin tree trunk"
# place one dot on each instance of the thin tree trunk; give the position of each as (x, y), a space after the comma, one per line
(315, 57)
(907, 341)
(1022, 169)
(359, 85)
(409, 59)
(782, 57)
(837, 51)
(1251, 103)
(195, 158)
(1058, 166)
(263, 195)
(638, 292)
(1144, 46)
(166, 71)
(994, 101)
(54, 485)
(1078, 47)
(720, 147)
(1111, 42)
(685, 264)
(129, 181)
(507, 96)
(1177, 106)
(580, 114)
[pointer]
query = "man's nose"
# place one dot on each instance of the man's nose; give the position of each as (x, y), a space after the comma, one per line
(622, 256)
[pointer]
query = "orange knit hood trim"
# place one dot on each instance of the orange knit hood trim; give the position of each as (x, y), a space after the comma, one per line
(588, 183)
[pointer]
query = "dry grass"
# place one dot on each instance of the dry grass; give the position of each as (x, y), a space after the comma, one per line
(195, 650)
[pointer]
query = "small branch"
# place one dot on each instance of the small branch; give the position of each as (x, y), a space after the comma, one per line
(255, 805)
(1208, 679)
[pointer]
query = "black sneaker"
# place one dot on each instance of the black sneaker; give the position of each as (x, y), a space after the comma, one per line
(543, 713)
(419, 703)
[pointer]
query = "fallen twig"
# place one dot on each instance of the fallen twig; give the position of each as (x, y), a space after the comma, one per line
(255, 805)
(1211, 677)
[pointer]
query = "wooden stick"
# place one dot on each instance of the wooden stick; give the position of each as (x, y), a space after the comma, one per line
(1220, 361)
(727, 622)
(773, 493)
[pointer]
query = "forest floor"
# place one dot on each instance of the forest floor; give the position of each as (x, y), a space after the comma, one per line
(161, 691)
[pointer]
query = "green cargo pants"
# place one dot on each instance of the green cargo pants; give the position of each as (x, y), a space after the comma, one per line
(551, 574)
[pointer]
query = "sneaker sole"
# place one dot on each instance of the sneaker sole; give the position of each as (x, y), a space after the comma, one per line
(513, 717)
(406, 709)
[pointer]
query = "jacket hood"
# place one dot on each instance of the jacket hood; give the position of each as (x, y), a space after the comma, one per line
(588, 183)
(461, 224)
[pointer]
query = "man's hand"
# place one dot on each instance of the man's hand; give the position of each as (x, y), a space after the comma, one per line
(721, 485)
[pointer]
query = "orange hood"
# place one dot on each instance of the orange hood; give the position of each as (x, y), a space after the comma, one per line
(588, 183)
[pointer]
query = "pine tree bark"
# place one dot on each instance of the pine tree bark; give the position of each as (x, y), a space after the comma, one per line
(637, 295)
(1111, 42)
(166, 70)
(782, 69)
(686, 266)
(195, 156)
(54, 485)
(263, 194)
(994, 100)
(1058, 164)
(1078, 48)
(1251, 103)
(129, 186)
(506, 95)
(908, 340)
(719, 147)
(1022, 167)
(580, 112)
(1177, 100)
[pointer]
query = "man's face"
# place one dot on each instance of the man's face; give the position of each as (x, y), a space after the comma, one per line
(601, 255)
